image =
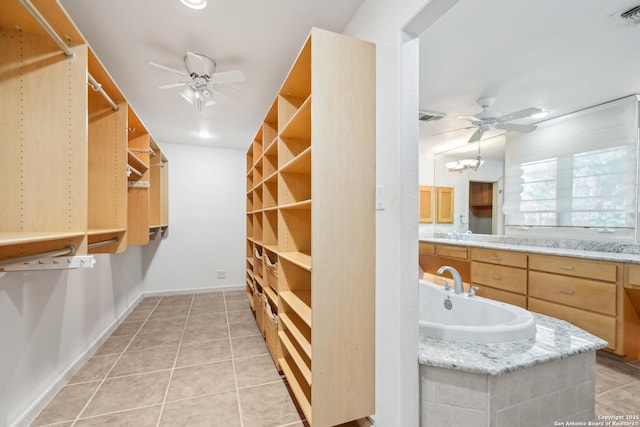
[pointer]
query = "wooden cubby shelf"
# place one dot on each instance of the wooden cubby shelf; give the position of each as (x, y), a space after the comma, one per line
(319, 134)
(300, 303)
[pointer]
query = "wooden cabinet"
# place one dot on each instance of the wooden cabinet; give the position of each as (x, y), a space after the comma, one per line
(500, 275)
(426, 204)
(433, 256)
(318, 134)
(444, 205)
(63, 165)
(481, 198)
(584, 292)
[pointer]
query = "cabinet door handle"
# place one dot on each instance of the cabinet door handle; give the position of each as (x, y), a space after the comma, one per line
(566, 267)
(496, 277)
(566, 291)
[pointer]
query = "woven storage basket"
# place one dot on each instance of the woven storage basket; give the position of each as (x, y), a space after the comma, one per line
(272, 273)
(271, 334)
(259, 308)
(257, 264)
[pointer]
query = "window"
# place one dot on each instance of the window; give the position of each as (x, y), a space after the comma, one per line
(575, 175)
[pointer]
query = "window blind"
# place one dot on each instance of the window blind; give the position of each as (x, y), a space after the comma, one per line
(577, 173)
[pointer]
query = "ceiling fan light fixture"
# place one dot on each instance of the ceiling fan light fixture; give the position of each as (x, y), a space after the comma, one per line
(189, 95)
(194, 4)
(541, 115)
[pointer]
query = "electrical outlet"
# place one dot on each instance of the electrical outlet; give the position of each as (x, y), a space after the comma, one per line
(222, 274)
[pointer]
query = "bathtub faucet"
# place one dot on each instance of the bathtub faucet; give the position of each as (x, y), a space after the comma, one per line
(458, 288)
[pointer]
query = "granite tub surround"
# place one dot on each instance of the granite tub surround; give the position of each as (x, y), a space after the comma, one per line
(533, 382)
(590, 249)
(555, 339)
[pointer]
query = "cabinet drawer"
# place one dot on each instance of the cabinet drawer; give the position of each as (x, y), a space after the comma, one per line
(498, 276)
(580, 293)
(502, 296)
(603, 327)
(633, 276)
(461, 252)
(574, 267)
(425, 248)
(513, 259)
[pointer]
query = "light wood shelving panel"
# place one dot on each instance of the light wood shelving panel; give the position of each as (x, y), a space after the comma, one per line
(43, 156)
(107, 139)
(63, 167)
(310, 205)
(158, 192)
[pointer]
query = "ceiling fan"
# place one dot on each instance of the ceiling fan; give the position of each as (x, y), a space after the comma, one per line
(488, 119)
(202, 79)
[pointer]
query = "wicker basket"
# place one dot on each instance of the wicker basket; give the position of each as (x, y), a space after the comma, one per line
(272, 273)
(271, 334)
(257, 264)
(259, 308)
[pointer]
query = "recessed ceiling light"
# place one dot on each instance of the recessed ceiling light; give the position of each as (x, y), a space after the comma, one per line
(204, 133)
(194, 4)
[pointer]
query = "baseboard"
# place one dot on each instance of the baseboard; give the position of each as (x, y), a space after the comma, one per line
(43, 400)
(193, 291)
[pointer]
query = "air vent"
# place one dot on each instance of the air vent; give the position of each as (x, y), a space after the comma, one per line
(632, 14)
(427, 116)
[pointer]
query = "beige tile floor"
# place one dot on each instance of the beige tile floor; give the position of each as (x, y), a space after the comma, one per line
(617, 386)
(187, 360)
(200, 360)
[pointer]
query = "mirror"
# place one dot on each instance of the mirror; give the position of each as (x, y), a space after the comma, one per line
(477, 194)
(532, 59)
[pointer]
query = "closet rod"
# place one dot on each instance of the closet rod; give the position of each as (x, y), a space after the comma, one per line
(98, 88)
(153, 153)
(102, 243)
(67, 250)
(134, 170)
(45, 26)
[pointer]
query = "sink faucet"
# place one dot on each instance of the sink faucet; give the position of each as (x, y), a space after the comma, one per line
(458, 288)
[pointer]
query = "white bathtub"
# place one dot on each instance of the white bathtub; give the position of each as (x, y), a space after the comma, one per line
(472, 319)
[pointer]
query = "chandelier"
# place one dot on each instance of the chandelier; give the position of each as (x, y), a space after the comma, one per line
(465, 164)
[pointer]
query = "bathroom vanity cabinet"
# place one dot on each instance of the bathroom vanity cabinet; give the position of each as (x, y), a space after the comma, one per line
(68, 155)
(500, 275)
(599, 296)
(311, 213)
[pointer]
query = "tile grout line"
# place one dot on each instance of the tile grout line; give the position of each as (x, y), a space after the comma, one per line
(175, 362)
(106, 376)
(233, 362)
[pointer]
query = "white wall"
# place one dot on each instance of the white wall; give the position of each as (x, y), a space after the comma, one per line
(207, 202)
(50, 321)
(382, 22)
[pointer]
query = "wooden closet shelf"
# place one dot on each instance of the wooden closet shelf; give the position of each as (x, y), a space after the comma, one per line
(297, 258)
(300, 302)
(300, 332)
(17, 238)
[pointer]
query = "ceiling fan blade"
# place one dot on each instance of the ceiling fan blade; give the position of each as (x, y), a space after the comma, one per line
(472, 119)
(172, 85)
(515, 127)
(453, 130)
(171, 70)
(477, 135)
(208, 63)
(527, 112)
(236, 76)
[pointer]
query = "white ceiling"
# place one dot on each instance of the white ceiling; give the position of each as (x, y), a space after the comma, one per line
(560, 56)
(261, 38)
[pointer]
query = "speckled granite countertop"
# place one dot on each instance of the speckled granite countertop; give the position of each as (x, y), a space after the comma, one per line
(555, 339)
(580, 249)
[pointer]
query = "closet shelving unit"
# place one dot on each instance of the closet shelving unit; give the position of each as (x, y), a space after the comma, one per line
(107, 142)
(310, 212)
(63, 170)
(158, 192)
